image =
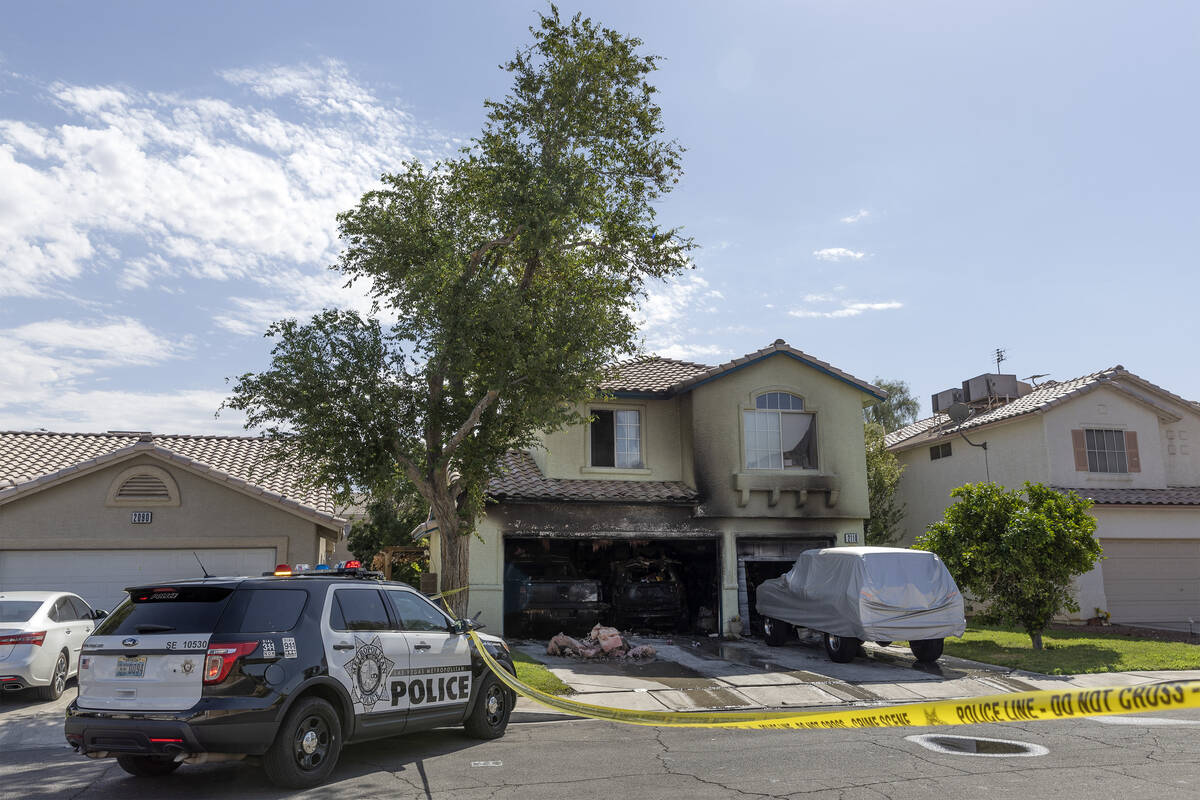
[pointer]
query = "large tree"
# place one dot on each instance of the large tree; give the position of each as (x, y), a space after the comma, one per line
(1016, 550)
(899, 409)
(506, 277)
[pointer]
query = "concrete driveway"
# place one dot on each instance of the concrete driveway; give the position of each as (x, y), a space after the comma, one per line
(30, 724)
(691, 674)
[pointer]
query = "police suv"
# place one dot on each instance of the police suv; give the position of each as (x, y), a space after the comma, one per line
(288, 667)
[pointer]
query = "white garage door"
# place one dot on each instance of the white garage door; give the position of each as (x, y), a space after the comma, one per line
(1152, 582)
(100, 576)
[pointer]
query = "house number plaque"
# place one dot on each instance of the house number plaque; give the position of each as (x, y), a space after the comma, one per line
(141, 517)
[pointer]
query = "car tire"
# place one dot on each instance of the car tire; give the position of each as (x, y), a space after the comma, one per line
(927, 650)
(841, 649)
(148, 766)
(489, 717)
(306, 746)
(775, 632)
(58, 680)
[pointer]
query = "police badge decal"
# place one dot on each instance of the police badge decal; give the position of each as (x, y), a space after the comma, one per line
(367, 671)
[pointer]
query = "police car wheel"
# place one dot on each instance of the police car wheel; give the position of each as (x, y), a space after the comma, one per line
(147, 766)
(489, 718)
(306, 746)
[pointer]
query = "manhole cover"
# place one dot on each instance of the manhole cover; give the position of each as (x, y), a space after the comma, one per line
(976, 746)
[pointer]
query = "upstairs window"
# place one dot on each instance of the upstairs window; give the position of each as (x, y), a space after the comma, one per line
(780, 434)
(939, 451)
(616, 439)
(1105, 450)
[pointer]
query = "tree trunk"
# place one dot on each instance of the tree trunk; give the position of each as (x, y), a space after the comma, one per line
(1036, 636)
(454, 570)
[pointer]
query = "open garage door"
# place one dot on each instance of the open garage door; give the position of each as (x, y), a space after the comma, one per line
(1154, 583)
(760, 559)
(568, 584)
(100, 576)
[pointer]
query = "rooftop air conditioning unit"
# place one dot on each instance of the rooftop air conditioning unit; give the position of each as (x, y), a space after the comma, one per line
(990, 384)
(943, 400)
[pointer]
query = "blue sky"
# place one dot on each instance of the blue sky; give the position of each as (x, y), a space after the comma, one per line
(896, 188)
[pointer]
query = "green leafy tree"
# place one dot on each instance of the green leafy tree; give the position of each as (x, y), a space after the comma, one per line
(883, 475)
(899, 409)
(1017, 550)
(510, 272)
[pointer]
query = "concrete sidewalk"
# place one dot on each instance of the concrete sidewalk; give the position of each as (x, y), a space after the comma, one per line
(691, 675)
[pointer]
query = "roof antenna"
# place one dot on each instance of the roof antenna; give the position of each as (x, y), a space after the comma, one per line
(201, 563)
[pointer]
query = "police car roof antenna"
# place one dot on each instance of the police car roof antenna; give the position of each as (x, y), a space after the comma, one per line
(201, 563)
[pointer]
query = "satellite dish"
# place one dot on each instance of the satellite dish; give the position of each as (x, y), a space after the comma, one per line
(958, 413)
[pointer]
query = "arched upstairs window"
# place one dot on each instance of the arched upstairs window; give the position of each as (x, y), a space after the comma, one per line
(780, 434)
(143, 485)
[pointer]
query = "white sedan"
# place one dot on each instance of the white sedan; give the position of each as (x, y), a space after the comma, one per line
(41, 634)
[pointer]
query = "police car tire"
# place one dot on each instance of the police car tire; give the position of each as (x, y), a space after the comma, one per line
(147, 766)
(282, 761)
(490, 724)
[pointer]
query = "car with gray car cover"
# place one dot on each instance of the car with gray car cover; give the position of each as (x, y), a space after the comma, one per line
(855, 594)
(287, 668)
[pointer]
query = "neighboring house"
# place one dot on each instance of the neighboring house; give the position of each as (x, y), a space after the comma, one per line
(94, 513)
(1128, 444)
(731, 471)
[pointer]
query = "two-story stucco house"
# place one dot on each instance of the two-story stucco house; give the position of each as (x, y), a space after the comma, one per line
(730, 471)
(1128, 444)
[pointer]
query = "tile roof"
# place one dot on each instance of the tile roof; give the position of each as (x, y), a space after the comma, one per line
(650, 374)
(667, 376)
(1181, 496)
(1041, 398)
(519, 478)
(29, 459)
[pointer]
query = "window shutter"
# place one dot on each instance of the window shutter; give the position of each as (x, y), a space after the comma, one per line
(1079, 443)
(1131, 451)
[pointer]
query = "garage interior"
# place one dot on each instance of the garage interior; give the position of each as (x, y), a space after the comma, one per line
(760, 559)
(697, 567)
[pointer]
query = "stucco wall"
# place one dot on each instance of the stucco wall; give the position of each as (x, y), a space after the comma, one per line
(73, 515)
(720, 453)
(1016, 453)
(1104, 408)
(565, 453)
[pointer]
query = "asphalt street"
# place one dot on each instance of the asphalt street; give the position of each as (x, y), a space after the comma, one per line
(1086, 759)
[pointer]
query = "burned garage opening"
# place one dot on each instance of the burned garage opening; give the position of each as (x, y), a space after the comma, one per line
(554, 584)
(760, 559)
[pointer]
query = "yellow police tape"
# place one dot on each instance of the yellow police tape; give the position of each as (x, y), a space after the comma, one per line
(1016, 707)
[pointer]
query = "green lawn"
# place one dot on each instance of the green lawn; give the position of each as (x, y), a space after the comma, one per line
(1071, 652)
(532, 672)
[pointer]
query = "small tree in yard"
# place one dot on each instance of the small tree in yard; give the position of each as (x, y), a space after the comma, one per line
(1020, 553)
(511, 272)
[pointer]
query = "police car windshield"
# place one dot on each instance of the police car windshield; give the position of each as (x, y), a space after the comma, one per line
(186, 609)
(18, 610)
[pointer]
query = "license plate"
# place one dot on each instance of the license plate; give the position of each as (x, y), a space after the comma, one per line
(131, 666)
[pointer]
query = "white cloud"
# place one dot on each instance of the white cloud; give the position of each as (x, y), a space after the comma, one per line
(857, 216)
(837, 254)
(666, 318)
(847, 309)
(161, 185)
(100, 410)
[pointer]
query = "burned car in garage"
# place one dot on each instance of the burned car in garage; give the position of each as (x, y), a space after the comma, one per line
(545, 593)
(649, 592)
(856, 594)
